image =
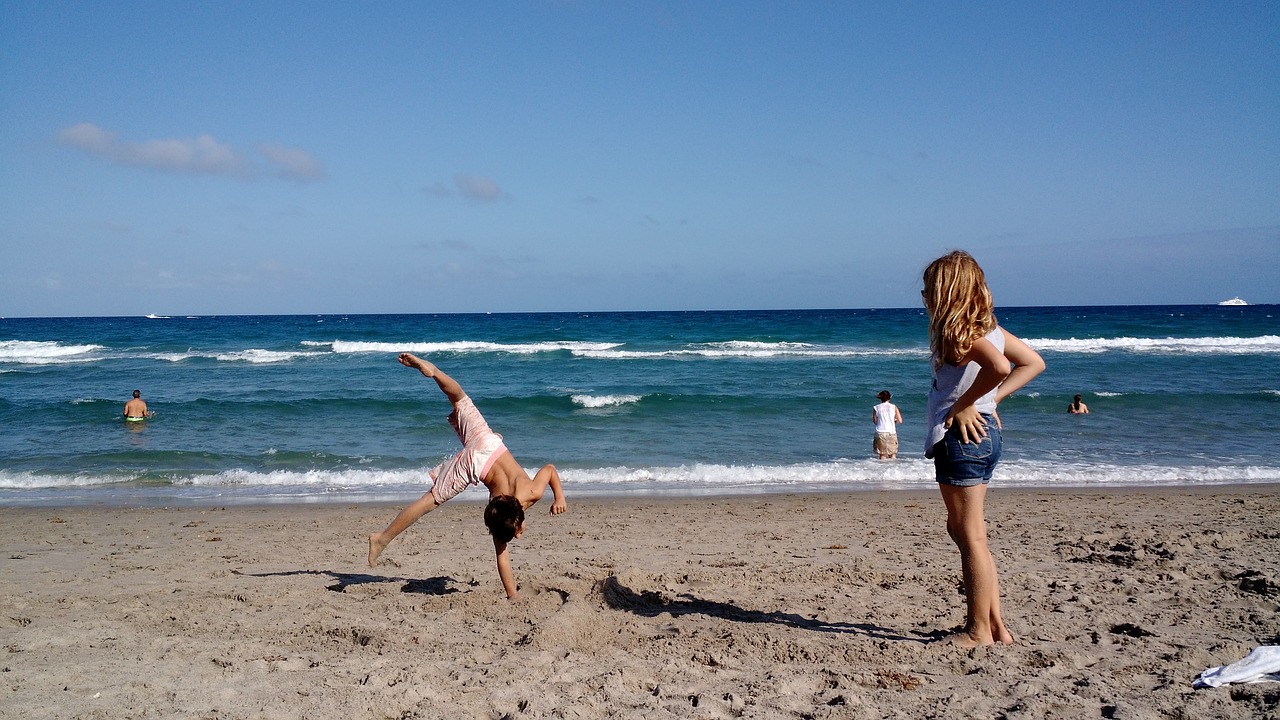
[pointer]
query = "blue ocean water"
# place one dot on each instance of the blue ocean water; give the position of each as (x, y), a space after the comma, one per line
(316, 408)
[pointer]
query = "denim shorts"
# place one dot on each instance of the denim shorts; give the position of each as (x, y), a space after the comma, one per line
(956, 462)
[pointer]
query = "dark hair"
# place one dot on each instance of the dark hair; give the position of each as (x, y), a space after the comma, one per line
(137, 393)
(883, 396)
(503, 517)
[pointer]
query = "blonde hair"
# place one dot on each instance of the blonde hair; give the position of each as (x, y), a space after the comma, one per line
(959, 304)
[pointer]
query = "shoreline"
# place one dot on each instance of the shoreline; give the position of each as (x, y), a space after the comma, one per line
(779, 605)
(153, 501)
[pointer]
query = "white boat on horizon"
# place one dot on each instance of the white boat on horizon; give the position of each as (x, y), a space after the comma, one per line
(1237, 300)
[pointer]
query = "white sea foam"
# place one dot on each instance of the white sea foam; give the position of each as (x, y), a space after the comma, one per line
(909, 473)
(11, 480)
(462, 346)
(32, 352)
(603, 401)
(258, 356)
(1265, 344)
(744, 349)
(696, 479)
(307, 478)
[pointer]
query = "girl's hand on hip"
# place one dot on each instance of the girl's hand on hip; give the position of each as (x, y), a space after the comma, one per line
(971, 424)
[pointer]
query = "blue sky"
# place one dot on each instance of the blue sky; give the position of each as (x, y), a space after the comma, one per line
(289, 157)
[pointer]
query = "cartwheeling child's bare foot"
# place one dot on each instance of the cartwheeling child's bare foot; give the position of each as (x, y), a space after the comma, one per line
(413, 361)
(376, 546)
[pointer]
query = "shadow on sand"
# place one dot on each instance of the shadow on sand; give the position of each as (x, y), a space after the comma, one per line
(647, 603)
(440, 585)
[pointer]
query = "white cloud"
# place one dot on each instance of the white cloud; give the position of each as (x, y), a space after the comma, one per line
(293, 163)
(201, 155)
(88, 137)
(478, 188)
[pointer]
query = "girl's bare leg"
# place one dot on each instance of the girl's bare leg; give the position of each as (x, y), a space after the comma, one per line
(968, 528)
(378, 541)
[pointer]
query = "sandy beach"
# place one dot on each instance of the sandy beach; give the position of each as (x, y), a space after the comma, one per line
(801, 606)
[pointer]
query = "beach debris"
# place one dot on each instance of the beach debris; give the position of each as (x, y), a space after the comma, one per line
(897, 680)
(1131, 630)
(1255, 582)
(1260, 665)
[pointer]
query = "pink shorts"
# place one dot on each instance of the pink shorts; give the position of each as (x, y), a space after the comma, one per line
(480, 449)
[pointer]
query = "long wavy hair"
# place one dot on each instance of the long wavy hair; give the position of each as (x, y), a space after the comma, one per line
(959, 304)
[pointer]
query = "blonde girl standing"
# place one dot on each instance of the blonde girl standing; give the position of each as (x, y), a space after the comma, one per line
(976, 364)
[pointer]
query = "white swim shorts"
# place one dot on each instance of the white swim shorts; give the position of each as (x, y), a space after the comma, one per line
(480, 449)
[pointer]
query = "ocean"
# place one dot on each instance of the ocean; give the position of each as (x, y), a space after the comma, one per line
(303, 409)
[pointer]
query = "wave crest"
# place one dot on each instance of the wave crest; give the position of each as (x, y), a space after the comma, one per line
(462, 346)
(1265, 344)
(603, 401)
(35, 352)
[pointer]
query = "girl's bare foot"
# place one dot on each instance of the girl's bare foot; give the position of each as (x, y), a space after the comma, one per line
(376, 546)
(965, 640)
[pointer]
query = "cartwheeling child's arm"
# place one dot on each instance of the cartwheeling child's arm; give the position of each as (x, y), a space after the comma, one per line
(548, 476)
(504, 571)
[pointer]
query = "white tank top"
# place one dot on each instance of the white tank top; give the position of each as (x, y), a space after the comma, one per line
(885, 422)
(949, 383)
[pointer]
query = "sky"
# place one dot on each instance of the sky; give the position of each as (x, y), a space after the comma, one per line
(299, 157)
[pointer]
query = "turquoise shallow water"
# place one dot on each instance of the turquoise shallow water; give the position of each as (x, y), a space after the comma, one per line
(315, 408)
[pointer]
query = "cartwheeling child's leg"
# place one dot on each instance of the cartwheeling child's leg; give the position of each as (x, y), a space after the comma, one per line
(378, 541)
(448, 385)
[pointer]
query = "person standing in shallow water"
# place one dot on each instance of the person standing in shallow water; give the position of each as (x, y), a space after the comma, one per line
(887, 418)
(976, 365)
(1077, 407)
(136, 409)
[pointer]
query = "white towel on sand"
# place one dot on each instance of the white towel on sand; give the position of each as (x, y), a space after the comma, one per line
(1261, 665)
